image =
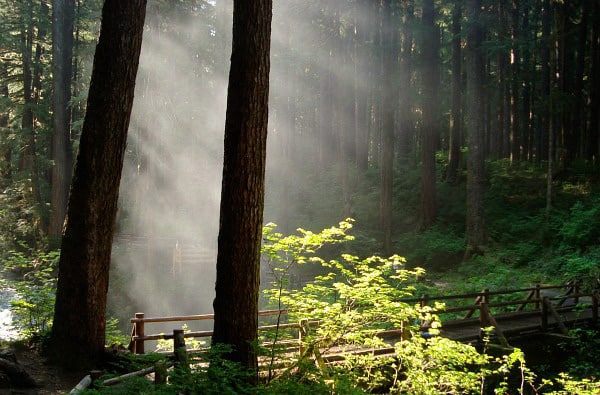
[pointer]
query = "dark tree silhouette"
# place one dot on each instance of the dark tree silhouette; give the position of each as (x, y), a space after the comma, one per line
(63, 12)
(242, 195)
(387, 126)
(78, 332)
(430, 134)
(475, 230)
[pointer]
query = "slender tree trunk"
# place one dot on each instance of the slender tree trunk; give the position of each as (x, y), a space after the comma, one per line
(26, 157)
(361, 78)
(515, 118)
(527, 71)
(475, 221)
(594, 82)
(63, 12)
(387, 164)
(405, 122)
(456, 105)
(78, 332)
(579, 124)
(545, 81)
(242, 195)
(430, 130)
(6, 146)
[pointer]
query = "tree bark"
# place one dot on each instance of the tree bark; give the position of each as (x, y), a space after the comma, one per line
(456, 105)
(63, 12)
(242, 195)
(406, 126)
(475, 229)
(594, 82)
(78, 332)
(387, 130)
(430, 134)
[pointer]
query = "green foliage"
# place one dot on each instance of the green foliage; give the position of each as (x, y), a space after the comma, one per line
(436, 248)
(191, 343)
(33, 308)
(355, 300)
(576, 386)
(582, 353)
(114, 336)
(582, 227)
(20, 217)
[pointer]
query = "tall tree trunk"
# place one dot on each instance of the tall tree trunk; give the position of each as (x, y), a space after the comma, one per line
(545, 82)
(361, 80)
(242, 195)
(78, 332)
(430, 130)
(387, 130)
(63, 12)
(515, 118)
(405, 122)
(27, 149)
(6, 146)
(594, 82)
(456, 105)
(527, 71)
(475, 220)
(579, 124)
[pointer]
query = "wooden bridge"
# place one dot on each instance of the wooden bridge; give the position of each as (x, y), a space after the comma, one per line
(511, 313)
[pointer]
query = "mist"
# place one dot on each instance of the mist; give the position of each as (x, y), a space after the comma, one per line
(164, 252)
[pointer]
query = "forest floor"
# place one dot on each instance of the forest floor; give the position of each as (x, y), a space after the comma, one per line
(51, 380)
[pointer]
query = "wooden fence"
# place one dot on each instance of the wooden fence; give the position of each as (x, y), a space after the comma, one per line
(545, 312)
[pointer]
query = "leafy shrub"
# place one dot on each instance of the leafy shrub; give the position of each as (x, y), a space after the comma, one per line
(35, 287)
(436, 248)
(582, 227)
(355, 300)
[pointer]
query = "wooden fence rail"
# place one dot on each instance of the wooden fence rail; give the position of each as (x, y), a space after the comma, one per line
(487, 304)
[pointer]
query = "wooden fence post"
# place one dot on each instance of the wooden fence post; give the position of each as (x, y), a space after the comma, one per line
(545, 303)
(138, 346)
(302, 333)
(538, 296)
(160, 373)
(424, 300)
(491, 321)
(179, 350)
(595, 301)
(483, 318)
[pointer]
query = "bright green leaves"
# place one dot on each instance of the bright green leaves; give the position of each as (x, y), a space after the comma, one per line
(348, 306)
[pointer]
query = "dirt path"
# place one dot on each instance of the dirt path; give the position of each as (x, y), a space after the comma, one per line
(51, 380)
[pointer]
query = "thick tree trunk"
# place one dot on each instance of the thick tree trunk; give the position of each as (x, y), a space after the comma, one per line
(475, 230)
(63, 12)
(78, 332)
(242, 195)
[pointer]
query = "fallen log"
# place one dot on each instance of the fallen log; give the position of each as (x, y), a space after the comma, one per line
(120, 379)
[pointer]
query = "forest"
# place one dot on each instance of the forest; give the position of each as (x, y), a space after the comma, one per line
(415, 147)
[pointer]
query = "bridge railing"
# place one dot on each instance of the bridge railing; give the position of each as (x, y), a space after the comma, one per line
(489, 306)
(139, 334)
(532, 298)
